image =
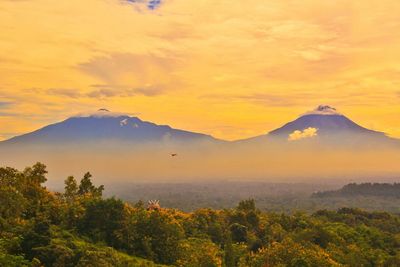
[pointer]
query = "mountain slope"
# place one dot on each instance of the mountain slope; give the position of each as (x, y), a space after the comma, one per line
(325, 125)
(106, 126)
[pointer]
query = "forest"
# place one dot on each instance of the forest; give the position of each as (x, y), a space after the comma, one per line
(364, 189)
(81, 227)
(287, 197)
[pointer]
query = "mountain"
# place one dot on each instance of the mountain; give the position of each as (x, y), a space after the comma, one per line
(104, 125)
(327, 126)
(119, 147)
(327, 121)
(323, 125)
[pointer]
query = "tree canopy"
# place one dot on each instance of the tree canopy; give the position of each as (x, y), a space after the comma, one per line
(79, 227)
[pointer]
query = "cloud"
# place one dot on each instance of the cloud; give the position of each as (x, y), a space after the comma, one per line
(265, 99)
(150, 4)
(104, 91)
(8, 114)
(153, 4)
(276, 59)
(131, 70)
(323, 110)
(268, 99)
(5, 104)
(306, 133)
(72, 93)
(101, 113)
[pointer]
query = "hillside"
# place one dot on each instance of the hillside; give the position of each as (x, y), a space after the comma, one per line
(325, 126)
(79, 227)
(104, 126)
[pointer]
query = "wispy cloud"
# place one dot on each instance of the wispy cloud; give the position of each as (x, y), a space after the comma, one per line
(154, 4)
(266, 99)
(150, 4)
(106, 91)
(124, 69)
(72, 93)
(112, 91)
(5, 104)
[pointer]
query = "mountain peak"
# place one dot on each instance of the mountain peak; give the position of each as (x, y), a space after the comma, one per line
(104, 126)
(327, 121)
(101, 113)
(323, 110)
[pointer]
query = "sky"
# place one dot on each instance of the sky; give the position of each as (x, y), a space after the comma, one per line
(232, 69)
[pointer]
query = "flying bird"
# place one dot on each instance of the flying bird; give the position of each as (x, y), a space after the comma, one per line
(174, 154)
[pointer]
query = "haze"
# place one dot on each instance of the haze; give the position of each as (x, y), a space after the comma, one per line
(229, 69)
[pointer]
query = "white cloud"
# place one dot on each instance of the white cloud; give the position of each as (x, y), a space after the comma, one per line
(324, 110)
(306, 133)
(101, 113)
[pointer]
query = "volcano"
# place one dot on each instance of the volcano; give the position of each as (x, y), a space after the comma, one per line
(325, 125)
(328, 121)
(105, 126)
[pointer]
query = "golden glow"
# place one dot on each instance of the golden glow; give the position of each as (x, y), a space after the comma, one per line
(232, 69)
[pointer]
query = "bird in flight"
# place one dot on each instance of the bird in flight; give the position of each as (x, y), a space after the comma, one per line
(174, 154)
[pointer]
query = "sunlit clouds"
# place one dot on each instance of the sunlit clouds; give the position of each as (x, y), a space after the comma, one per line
(302, 134)
(231, 69)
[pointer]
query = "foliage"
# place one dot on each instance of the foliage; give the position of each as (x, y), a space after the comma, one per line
(289, 253)
(199, 253)
(364, 189)
(81, 228)
(277, 197)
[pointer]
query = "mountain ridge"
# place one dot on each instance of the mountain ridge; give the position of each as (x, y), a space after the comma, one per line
(107, 126)
(104, 125)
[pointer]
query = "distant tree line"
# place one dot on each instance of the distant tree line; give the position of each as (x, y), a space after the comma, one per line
(364, 189)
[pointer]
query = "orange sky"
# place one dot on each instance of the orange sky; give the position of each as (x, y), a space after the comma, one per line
(233, 69)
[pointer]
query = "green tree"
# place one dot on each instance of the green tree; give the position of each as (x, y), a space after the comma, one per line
(229, 253)
(12, 200)
(38, 236)
(239, 232)
(86, 187)
(102, 219)
(36, 174)
(71, 188)
(247, 205)
(199, 253)
(155, 235)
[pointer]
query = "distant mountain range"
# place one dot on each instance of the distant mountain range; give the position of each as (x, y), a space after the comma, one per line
(324, 124)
